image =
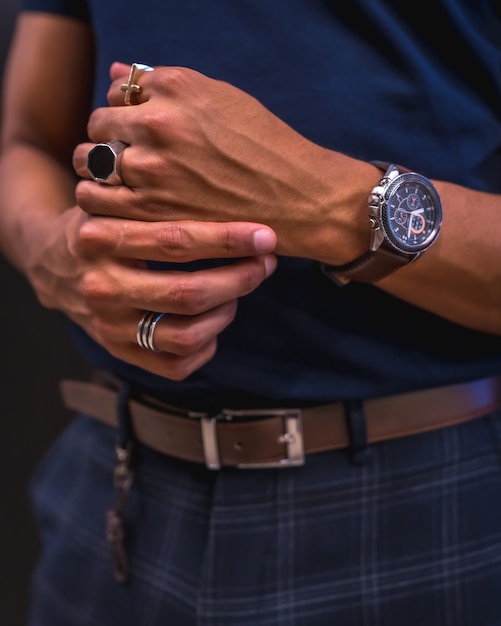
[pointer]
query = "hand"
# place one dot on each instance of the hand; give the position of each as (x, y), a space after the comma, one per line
(202, 149)
(94, 270)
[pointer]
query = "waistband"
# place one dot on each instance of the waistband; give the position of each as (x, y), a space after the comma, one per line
(281, 437)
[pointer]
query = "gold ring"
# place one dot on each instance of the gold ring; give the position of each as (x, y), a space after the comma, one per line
(131, 86)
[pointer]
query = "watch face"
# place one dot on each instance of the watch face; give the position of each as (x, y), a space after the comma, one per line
(411, 213)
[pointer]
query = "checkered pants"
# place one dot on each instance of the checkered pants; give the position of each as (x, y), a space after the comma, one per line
(412, 537)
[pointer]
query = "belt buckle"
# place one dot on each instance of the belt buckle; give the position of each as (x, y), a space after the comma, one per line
(292, 437)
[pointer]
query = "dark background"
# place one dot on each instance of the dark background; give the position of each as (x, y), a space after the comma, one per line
(36, 353)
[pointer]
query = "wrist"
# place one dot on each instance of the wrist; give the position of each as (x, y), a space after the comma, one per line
(339, 227)
(404, 215)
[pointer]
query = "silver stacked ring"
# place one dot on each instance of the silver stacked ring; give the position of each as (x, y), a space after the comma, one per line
(146, 330)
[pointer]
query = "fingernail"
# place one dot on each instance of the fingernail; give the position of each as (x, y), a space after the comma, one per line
(264, 241)
(270, 264)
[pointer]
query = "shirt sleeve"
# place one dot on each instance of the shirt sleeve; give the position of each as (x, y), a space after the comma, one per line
(69, 8)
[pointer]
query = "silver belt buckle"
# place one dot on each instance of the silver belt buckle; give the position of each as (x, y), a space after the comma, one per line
(292, 437)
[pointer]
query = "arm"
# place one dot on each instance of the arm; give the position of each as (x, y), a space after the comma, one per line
(93, 268)
(40, 127)
(227, 157)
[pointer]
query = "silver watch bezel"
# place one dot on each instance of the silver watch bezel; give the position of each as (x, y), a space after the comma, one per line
(381, 194)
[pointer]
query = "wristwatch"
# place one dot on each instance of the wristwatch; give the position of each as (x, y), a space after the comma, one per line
(405, 215)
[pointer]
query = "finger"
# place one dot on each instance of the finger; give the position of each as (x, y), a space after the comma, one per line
(182, 335)
(80, 159)
(167, 81)
(177, 292)
(173, 366)
(119, 70)
(127, 88)
(115, 122)
(165, 364)
(187, 335)
(96, 198)
(103, 163)
(138, 168)
(173, 242)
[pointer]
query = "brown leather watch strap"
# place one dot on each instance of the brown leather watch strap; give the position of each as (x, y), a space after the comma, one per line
(371, 266)
(384, 165)
(368, 268)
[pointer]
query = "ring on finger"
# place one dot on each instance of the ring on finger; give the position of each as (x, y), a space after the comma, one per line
(146, 330)
(104, 162)
(131, 87)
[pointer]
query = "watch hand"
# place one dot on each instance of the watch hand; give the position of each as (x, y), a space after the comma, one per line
(411, 215)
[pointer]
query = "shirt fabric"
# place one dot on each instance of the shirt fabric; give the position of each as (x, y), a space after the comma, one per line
(361, 78)
(412, 535)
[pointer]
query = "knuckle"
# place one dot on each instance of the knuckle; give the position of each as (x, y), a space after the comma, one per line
(93, 288)
(187, 296)
(186, 341)
(90, 239)
(173, 239)
(154, 123)
(174, 78)
(151, 164)
(89, 287)
(230, 240)
(249, 280)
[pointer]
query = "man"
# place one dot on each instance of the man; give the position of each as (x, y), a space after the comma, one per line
(282, 259)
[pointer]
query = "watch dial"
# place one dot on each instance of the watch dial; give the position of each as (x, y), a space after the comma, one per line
(411, 213)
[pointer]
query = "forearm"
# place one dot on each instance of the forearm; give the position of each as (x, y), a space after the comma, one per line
(40, 127)
(249, 165)
(459, 277)
(35, 190)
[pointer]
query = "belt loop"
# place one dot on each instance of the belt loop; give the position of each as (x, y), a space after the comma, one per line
(356, 424)
(122, 482)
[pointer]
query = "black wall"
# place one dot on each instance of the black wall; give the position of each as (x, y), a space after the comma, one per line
(35, 354)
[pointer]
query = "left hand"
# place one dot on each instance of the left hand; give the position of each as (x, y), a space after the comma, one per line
(202, 149)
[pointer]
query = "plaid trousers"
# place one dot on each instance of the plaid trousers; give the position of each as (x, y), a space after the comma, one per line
(412, 537)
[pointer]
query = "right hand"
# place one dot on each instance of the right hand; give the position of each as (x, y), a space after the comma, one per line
(94, 270)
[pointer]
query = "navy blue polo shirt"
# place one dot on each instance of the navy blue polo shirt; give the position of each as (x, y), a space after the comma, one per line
(359, 77)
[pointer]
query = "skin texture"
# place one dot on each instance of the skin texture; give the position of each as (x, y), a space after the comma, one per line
(225, 156)
(241, 184)
(92, 267)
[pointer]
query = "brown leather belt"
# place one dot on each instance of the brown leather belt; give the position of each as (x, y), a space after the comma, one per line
(281, 437)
